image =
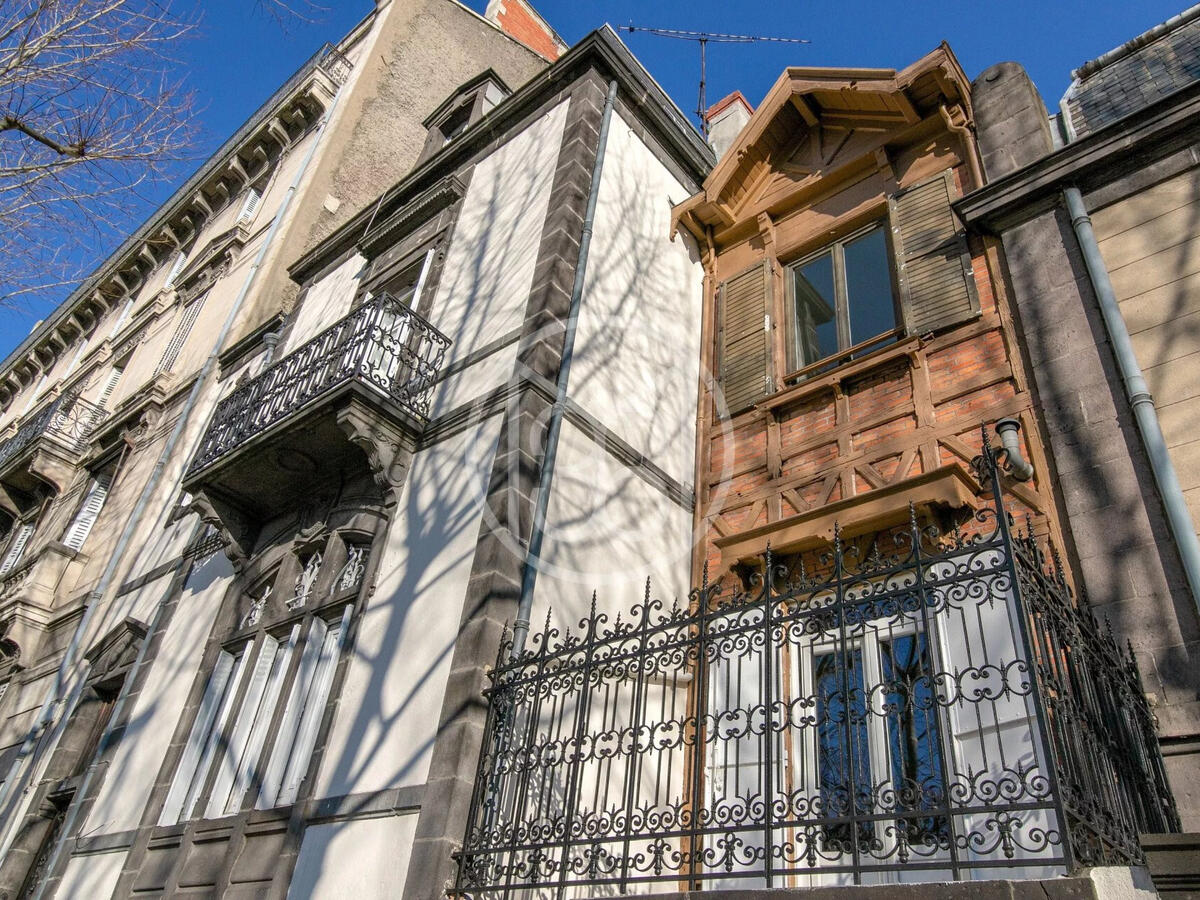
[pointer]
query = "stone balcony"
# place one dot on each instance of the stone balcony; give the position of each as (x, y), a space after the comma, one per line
(44, 449)
(360, 386)
(27, 597)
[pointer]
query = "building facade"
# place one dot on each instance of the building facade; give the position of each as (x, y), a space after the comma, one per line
(1093, 208)
(883, 675)
(587, 514)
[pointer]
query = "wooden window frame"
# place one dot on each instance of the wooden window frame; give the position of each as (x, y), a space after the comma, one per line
(846, 350)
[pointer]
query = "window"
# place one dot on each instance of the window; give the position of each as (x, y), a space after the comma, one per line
(842, 296)
(260, 714)
(227, 749)
(863, 756)
(469, 103)
(186, 320)
(911, 268)
(85, 517)
(16, 546)
(878, 736)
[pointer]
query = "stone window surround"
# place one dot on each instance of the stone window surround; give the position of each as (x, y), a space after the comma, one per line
(277, 832)
(278, 568)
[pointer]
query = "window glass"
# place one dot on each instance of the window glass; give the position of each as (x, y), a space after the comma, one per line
(816, 317)
(843, 297)
(843, 754)
(914, 743)
(869, 287)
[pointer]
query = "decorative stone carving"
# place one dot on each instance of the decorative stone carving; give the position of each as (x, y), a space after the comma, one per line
(234, 527)
(388, 447)
(116, 651)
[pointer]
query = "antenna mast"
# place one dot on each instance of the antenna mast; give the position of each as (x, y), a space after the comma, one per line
(703, 37)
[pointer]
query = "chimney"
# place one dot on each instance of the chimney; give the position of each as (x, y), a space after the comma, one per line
(521, 22)
(726, 119)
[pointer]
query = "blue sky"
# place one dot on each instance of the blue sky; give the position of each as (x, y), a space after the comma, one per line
(238, 56)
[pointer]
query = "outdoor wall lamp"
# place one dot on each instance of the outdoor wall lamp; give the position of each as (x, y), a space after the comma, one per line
(1014, 463)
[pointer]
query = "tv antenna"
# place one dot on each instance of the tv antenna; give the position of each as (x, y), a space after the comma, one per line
(703, 38)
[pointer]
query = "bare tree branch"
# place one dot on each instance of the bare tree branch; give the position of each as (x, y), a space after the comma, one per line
(90, 115)
(284, 11)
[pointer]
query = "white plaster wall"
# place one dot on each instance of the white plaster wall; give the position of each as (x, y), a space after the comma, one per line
(327, 301)
(637, 352)
(155, 714)
(607, 530)
(360, 860)
(93, 876)
(387, 715)
(489, 266)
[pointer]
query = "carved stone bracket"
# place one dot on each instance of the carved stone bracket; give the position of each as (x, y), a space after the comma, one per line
(388, 446)
(235, 529)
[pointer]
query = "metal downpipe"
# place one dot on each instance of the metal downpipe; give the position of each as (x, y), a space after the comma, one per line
(41, 726)
(1144, 414)
(546, 476)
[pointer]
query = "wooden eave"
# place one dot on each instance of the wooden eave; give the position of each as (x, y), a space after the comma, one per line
(895, 104)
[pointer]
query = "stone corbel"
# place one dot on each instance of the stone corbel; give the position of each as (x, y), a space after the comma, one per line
(233, 526)
(389, 448)
(50, 467)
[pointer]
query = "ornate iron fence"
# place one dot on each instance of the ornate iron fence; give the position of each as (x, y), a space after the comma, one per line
(382, 343)
(910, 705)
(69, 420)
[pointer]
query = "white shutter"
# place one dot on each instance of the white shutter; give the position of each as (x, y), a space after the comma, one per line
(262, 721)
(114, 378)
(78, 353)
(122, 317)
(176, 268)
(182, 330)
(249, 206)
(206, 717)
(17, 547)
(302, 716)
(217, 737)
(238, 731)
(85, 518)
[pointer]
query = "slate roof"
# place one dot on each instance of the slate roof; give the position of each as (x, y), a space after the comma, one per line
(1151, 66)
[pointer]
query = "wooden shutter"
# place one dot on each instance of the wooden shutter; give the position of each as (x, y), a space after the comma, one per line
(17, 547)
(109, 386)
(85, 518)
(176, 267)
(744, 370)
(249, 206)
(182, 330)
(937, 287)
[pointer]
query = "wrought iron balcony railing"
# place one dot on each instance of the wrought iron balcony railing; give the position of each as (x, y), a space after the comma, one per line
(382, 344)
(905, 706)
(68, 420)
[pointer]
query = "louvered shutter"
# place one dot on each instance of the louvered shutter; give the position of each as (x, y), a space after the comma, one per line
(182, 330)
(109, 386)
(176, 268)
(744, 371)
(85, 519)
(17, 547)
(125, 310)
(249, 206)
(937, 288)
